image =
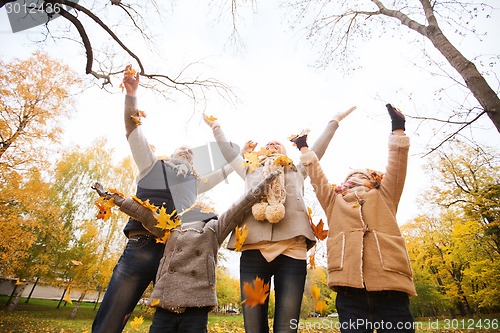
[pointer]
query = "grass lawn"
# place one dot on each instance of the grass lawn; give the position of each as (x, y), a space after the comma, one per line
(42, 316)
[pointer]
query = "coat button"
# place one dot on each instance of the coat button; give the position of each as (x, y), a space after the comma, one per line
(193, 273)
(179, 249)
(198, 252)
(171, 270)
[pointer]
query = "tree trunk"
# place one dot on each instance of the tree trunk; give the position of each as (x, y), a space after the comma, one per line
(32, 290)
(77, 305)
(15, 296)
(476, 83)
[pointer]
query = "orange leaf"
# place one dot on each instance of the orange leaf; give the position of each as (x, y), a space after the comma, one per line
(312, 262)
(155, 302)
(315, 292)
(210, 118)
(320, 306)
(257, 294)
(104, 205)
(318, 230)
(164, 239)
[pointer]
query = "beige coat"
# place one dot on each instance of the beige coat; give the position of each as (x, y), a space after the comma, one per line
(365, 246)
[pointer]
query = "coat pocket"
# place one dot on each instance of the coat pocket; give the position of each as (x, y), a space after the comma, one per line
(393, 254)
(336, 252)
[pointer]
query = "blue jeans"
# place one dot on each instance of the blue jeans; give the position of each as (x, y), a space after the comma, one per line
(363, 311)
(193, 320)
(289, 279)
(135, 269)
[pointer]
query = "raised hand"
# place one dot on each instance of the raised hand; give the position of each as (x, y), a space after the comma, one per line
(130, 80)
(248, 147)
(300, 140)
(397, 117)
(341, 115)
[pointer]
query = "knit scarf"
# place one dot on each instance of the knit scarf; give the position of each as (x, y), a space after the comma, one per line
(182, 167)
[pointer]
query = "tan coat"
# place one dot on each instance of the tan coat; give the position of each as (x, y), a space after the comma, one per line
(365, 246)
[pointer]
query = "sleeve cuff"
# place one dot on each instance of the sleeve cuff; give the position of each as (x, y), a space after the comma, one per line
(401, 141)
(308, 158)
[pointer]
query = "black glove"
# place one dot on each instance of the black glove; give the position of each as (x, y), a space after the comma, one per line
(397, 117)
(300, 141)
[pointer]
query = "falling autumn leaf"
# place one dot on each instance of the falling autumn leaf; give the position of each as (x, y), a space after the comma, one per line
(318, 230)
(137, 321)
(167, 221)
(312, 261)
(155, 302)
(241, 235)
(264, 152)
(67, 297)
(309, 213)
(256, 294)
(163, 239)
(284, 161)
(294, 136)
(320, 306)
(251, 161)
(315, 292)
(136, 117)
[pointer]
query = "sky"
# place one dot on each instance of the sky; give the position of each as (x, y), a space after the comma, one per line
(280, 92)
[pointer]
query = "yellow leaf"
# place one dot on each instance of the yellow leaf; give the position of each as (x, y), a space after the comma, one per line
(137, 321)
(210, 118)
(284, 161)
(104, 205)
(312, 262)
(67, 297)
(155, 302)
(164, 239)
(251, 161)
(166, 221)
(315, 292)
(241, 235)
(256, 294)
(309, 213)
(146, 204)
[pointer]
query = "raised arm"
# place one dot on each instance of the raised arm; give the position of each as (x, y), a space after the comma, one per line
(228, 149)
(395, 174)
(143, 156)
(319, 147)
(234, 215)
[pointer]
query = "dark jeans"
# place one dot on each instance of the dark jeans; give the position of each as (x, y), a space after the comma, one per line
(135, 269)
(193, 320)
(289, 279)
(363, 311)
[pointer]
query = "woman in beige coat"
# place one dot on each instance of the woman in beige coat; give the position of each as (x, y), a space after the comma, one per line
(368, 264)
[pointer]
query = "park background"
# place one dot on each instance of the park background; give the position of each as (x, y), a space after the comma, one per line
(278, 91)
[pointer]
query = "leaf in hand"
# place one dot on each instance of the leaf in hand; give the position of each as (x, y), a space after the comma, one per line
(257, 294)
(104, 205)
(241, 235)
(318, 230)
(210, 118)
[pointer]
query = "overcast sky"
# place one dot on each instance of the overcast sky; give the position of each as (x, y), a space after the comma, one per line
(280, 92)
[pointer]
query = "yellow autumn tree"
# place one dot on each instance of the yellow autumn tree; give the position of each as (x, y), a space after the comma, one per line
(35, 95)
